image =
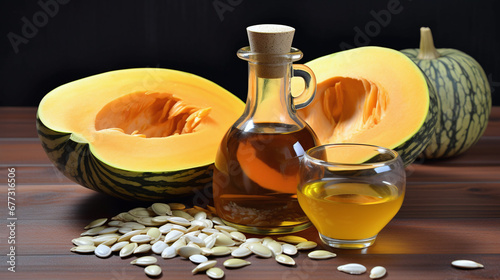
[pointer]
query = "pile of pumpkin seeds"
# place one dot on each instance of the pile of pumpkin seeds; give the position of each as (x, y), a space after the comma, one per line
(171, 230)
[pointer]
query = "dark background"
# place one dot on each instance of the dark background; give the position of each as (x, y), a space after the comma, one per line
(58, 41)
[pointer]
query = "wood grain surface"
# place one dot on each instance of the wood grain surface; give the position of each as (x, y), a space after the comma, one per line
(451, 211)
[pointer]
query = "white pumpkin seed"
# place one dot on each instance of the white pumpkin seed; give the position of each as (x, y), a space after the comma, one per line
(154, 233)
(152, 270)
(143, 248)
(223, 240)
(96, 223)
(160, 219)
(238, 236)
(148, 221)
(158, 247)
(217, 221)
(466, 264)
(235, 263)
(161, 209)
(197, 258)
(377, 272)
(109, 230)
(260, 250)
(187, 251)
(182, 214)
(133, 225)
(210, 241)
(82, 241)
(179, 228)
(241, 252)
(124, 230)
(173, 235)
(204, 266)
(110, 241)
(196, 240)
(115, 223)
(102, 251)
(221, 251)
(179, 243)
(140, 238)
(144, 261)
(209, 230)
(128, 235)
(139, 212)
(118, 246)
(254, 240)
(128, 250)
(275, 247)
(266, 240)
(205, 251)
(289, 249)
(92, 231)
(169, 252)
(321, 255)
(166, 228)
(306, 245)
(215, 273)
(226, 228)
(179, 221)
(83, 249)
(293, 239)
(284, 259)
(352, 268)
(200, 216)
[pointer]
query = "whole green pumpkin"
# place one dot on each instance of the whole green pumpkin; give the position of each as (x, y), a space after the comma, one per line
(463, 91)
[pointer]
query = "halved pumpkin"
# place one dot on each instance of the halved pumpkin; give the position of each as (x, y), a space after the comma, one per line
(147, 134)
(372, 95)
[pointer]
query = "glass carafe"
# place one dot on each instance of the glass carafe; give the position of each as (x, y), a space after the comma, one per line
(257, 164)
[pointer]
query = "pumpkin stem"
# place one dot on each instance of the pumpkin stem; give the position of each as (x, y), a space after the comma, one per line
(427, 49)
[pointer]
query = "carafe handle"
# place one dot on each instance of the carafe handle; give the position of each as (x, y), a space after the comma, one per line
(300, 70)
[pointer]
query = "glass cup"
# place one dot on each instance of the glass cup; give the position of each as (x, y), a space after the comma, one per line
(350, 192)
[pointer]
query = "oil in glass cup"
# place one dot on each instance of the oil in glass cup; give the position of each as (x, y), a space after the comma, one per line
(350, 192)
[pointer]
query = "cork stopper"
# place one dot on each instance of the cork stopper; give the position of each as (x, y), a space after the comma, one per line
(270, 41)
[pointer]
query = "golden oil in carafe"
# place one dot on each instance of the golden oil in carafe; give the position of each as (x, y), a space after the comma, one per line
(256, 177)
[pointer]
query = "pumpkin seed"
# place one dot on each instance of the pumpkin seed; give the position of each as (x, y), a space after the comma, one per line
(254, 240)
(173, 235)
(275, 247)
(466, 264)
(223, 240)
(96, 223)
(83, 249)
(140, 238)
(143, 248)
(352, 268)
(204, 266)
(109, 230)
(221, 251)
(176, 206)
(169, 252)
(377, 272)
(209, 230)
(215, 273)
(140, 212)
(124, 217)
(321, 255)
(179, 221)
(289, 249)
(161, 209)
(205, 251)
(200, 215)
(235, 263)
(128, 249)
(82, 241)
(187, 251)
(179, 228)
(306, 245)
(115, 223)
(148, 221)
(260, 250)
(133, 225)
(118, 246)
(196, 240)
(210, 241)
(102, 251)
(166, 228)
(266, 240)
(217, 221)
(197, 258)
(179, 243)
(93, 231)
(124, 230)
(154, 233)
(238, 236)
(152, 270)
(160, 219)
(284, 259)
(158, 247)
(226, 228)
(182, 214)
(110, 241)
(144, 261)
(128, 235)
(293, 239)
(241, 252)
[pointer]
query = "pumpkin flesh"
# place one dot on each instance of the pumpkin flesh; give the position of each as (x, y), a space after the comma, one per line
(368, 95)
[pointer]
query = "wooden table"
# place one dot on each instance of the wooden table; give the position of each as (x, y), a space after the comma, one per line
(451, 211)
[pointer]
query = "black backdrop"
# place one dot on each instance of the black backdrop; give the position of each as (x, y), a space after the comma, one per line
(47, 43)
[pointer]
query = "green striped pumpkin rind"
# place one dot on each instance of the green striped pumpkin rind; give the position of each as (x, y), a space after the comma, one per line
(465, 96)
(76, 161)
(410, 150)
